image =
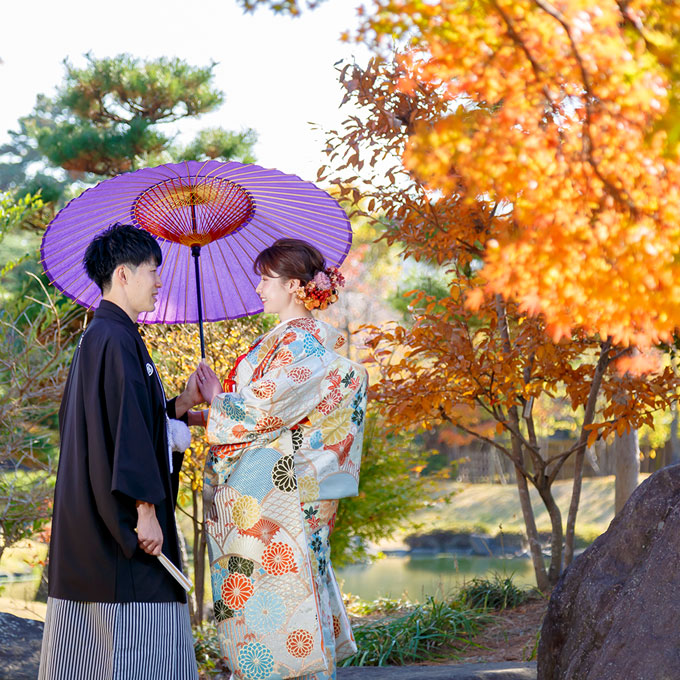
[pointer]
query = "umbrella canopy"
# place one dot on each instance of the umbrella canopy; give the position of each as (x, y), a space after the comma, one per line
(226, 212)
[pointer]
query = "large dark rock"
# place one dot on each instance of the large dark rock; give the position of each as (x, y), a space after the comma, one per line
(20, 641)
(615, 613)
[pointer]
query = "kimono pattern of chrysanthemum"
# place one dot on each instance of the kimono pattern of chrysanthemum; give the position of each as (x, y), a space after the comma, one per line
(286, 445)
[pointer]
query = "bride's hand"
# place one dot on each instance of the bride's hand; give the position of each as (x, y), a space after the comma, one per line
(208, 382)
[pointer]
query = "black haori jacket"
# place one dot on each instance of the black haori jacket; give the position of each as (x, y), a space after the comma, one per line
(114, 451)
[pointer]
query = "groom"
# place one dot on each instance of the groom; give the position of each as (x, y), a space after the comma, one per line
(113, 610)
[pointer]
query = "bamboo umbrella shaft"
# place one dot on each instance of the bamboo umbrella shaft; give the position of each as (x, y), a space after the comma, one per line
(196, 252)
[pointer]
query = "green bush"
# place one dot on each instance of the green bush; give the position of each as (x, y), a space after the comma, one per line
(498, 592)
(389, 492)
(416, 635)
(207, 650)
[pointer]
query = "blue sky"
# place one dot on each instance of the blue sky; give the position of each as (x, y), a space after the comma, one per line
(278, 73)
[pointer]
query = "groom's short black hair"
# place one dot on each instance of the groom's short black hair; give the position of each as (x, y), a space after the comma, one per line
(119, 244)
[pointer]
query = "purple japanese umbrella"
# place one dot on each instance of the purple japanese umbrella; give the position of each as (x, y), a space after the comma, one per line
(220, 214)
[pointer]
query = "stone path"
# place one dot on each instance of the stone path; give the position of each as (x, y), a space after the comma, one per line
(468, 671)
(20, 653)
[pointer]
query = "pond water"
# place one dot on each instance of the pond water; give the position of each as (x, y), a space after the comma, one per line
(419, 576)
(23, 589)
(416, 577)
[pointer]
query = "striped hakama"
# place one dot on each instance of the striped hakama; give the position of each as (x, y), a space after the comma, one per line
(117, 641)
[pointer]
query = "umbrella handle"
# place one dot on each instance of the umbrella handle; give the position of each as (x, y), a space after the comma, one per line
(196, 252)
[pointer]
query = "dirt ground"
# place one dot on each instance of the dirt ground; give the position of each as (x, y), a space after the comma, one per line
(511, 636)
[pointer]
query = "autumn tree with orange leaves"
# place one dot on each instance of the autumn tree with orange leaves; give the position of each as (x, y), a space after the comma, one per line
(456, 366)
(565, 113)
(491, 358)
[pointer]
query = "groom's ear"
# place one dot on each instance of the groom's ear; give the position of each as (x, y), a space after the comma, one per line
(120, 275)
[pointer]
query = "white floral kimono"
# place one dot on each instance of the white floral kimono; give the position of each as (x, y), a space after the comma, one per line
(286, 445)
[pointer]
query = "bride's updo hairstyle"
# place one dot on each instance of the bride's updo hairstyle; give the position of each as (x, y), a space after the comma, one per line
(291, 258)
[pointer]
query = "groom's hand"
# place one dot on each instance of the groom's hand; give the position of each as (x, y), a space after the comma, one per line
(149, 532)
(190, 397)
(192, 390)
(208, 382)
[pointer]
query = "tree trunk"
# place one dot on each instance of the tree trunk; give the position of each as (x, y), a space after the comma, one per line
(199, 575)
(591, 457)
(556, 536)
(184, 555)
(199, 556)
(675, 442)
(588, 418)
(627, 467)
(542, 580)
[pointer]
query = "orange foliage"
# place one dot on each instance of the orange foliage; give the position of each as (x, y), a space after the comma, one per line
(565, 115)
(455, 355)
(478, 356)
(457, 367)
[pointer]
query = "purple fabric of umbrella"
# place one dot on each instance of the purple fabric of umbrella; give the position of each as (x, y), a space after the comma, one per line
(273, 205)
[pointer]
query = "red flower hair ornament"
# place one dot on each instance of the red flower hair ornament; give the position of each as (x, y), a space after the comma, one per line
(322, 290)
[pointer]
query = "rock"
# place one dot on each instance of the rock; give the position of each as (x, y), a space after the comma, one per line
(439, 541)
(615, 613)
(501, 544)
(20, 641)
(443, 541)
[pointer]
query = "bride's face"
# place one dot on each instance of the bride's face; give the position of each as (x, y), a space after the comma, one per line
(276, 293)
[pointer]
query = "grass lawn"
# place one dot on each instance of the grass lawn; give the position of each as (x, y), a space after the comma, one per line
(484, 508)
(17, 598)
(17, 244)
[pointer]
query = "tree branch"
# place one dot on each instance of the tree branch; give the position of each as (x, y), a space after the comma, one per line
(479, 436)
(588, 417)
(619, 194)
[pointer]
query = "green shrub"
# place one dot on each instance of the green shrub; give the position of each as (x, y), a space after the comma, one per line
(207, 650)
(389, 492)
(414, 636)
(382, 605)
(498, 592)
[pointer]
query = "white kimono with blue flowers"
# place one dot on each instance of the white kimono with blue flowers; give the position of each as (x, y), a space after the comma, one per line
(286, 445)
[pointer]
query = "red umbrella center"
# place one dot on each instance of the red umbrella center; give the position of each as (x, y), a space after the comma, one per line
(193, 211)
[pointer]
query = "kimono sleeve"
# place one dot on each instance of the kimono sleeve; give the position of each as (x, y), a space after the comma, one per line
(134, 469)
(279, 399)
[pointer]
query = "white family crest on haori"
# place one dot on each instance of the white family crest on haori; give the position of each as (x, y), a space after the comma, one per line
(286, 445)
